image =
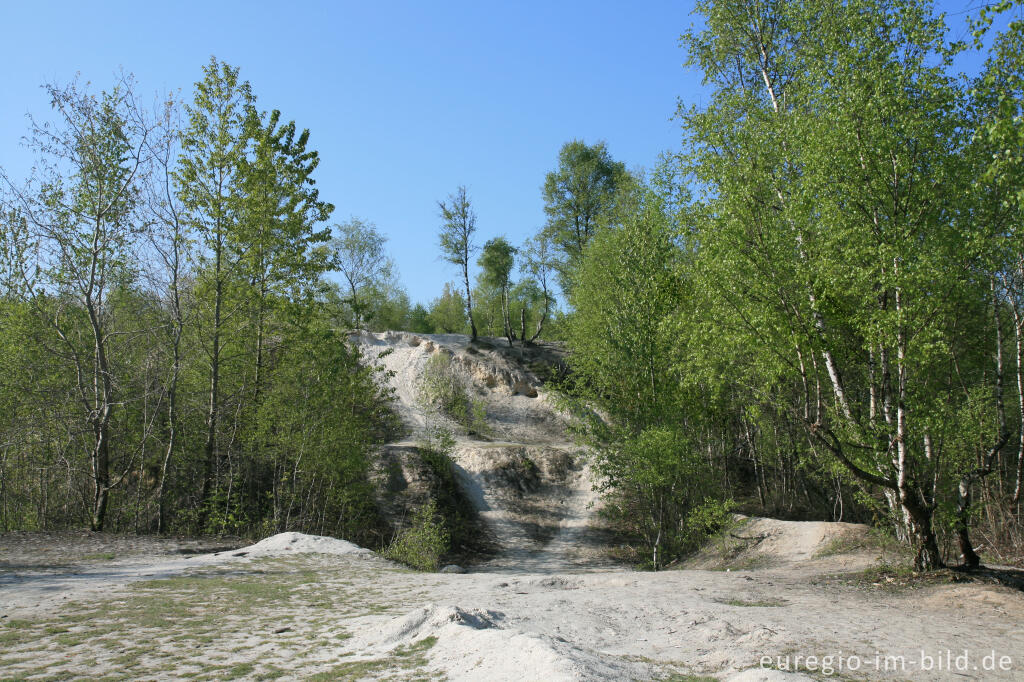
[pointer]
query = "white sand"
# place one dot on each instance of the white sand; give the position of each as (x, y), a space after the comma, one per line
(284, 544)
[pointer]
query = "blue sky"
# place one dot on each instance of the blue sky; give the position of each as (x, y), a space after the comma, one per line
(405, 100)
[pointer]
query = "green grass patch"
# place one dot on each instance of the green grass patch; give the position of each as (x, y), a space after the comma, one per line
(752, 602)
(406, 659)
(99, 556)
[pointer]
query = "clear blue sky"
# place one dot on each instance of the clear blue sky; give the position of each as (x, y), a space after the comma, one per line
(405, 100)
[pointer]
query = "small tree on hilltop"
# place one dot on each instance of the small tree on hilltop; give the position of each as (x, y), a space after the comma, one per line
(497, 260)
(457, 240)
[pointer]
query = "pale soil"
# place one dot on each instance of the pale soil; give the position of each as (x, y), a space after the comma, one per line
(279, 612)
(548, 606)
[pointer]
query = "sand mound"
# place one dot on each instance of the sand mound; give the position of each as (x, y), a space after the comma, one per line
(475, 644)
(763, 543)
(516, 404)
(298, 543)
(427, 620)
(801, 540)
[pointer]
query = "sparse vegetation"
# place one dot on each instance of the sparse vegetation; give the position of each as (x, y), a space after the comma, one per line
(442, 389)
(218, 610)
(752, 602)
(423, 542)
(403, 659)
(875, 540)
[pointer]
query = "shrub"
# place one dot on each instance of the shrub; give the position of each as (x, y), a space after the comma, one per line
(423, 543)
(660, 490)
(442, 389)
(705, 520)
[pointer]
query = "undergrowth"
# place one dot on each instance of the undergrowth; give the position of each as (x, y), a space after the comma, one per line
(442, 389)
(422, 544)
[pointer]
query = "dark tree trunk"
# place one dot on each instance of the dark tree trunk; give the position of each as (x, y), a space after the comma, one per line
(984, 468)
(970, 557)
(928, 556)
(101, 475)
(213, 403)
(469, 297)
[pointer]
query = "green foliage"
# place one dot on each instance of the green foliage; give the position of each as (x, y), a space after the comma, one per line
(705, 519)
(437, 439)
(387, 305)
(538, 263)
(658, 487)
(496, 261)
(455, 511)
(448, 312)
(83, 211)
(281, 209)
(442, 389)
(360, 258)
(622, 343)
(624, 295)
(456, 240)
(211, 395)
(419, 320)
(422, 544)
(848, 251)
(578, 196)
(319, 422)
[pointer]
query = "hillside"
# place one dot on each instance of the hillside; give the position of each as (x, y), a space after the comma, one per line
(530, 485)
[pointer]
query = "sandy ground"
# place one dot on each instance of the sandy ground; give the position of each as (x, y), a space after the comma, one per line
(299, 606)
(769, 600)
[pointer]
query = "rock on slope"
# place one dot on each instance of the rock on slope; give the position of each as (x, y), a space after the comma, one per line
(528, 482)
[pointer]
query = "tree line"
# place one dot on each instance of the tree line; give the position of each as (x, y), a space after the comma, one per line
(814, 307)
(511, 294)
(169, 355)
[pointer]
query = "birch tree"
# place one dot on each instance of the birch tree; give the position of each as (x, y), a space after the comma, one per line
(81, 212)
(827, 155)
(497, 261)
(456, 237)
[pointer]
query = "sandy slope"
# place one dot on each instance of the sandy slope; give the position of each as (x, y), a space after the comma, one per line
(546, 607)
(543, 522)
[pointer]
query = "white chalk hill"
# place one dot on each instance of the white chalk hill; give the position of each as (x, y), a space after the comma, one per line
(530, 484)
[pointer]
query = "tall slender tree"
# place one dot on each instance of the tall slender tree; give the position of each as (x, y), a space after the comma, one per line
(171, 241)
(210, 181)
(83, 216)
(456, 237)
(282, 246)
(497, 260)
(538, 262)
